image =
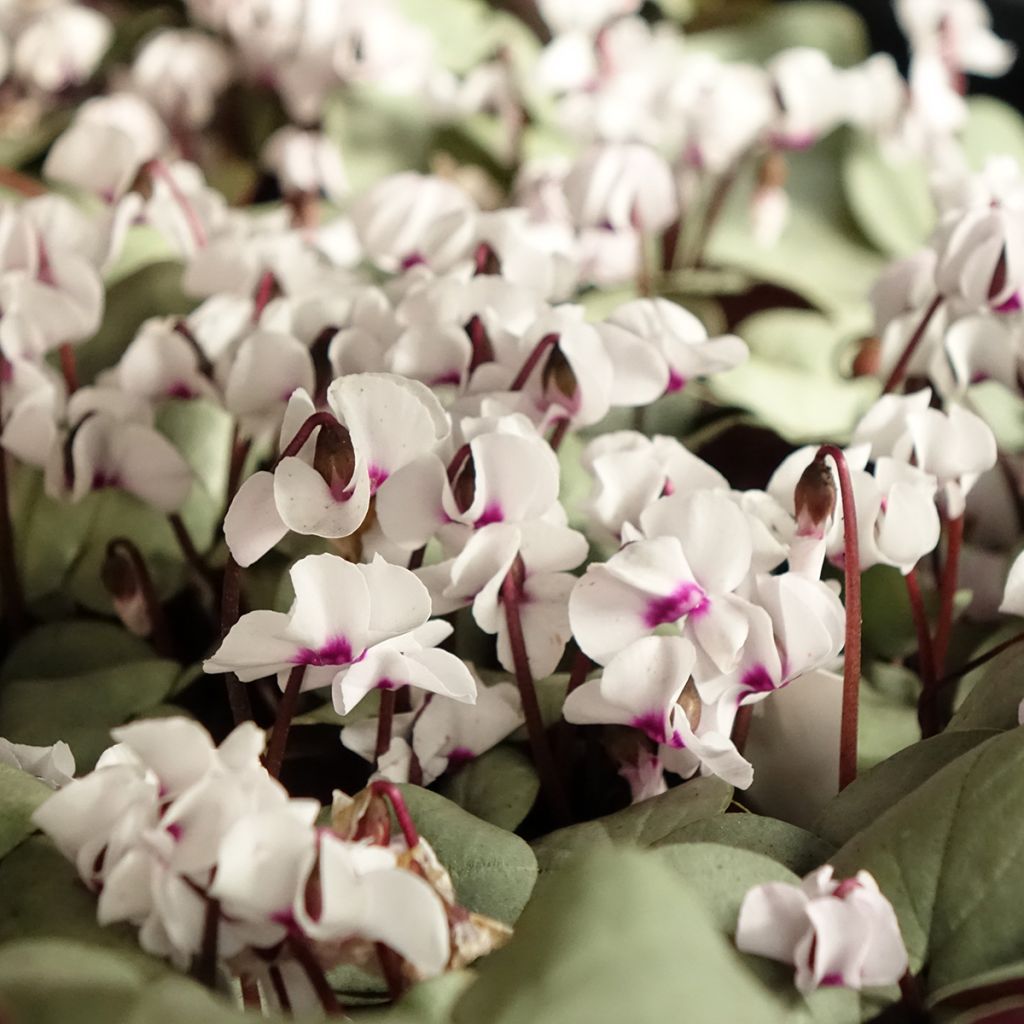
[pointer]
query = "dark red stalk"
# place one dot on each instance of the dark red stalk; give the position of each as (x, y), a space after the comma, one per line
(899, 371)
(925, 653)
(530, 364)
(230, 602)
(385, 723)
(250, 993)
(69, 367)
(192, 556)
(511, 597)
(558, 434)
(741, 726)
(302, 435)
(716, 204)
(280, 989)
(285, 713)
(981, 659)
(947, 590)
(298, 946)
(204, 965)
(391, 967)
(851, 597)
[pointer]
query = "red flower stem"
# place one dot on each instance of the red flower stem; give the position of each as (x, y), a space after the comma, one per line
(511, 596)
(981, 659)
(716, 204)
(299, 947)
(230, 606)
(851, 596)
(385, 723)
(158, 169)
(10, 580)
(280, 989)
(285, 713)
(302, 435)
(530, 364)
(69, 367)
(391, 967)
(204, 965)
(250, 992)
(929, 712)
(416, 558)
(925, 652)
(195, 560)
(236, 463)
(265, 289)
(390, 792)
(899, 371)
(558, 434)
(947, 589)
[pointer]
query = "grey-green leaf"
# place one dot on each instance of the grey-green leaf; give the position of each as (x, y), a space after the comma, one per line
(493, 870)
(499, 787)
(643, 824)
(617, 936)
(20, 795)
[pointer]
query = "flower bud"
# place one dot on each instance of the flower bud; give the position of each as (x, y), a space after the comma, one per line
(815, 499)
(335, 459)
(122, 582)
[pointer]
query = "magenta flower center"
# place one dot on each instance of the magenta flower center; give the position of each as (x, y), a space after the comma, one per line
(686, 599)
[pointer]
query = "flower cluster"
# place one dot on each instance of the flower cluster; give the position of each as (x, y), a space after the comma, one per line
(173, 832)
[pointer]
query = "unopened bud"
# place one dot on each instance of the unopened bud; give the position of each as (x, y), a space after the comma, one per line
(868, 360)
(689, 700)
(335, 458)
(122, 582)
(773, 172)
(559, 374)
(815, 499)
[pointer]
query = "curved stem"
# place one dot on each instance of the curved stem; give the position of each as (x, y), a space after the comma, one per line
(851, 597)
(302, 435)
(716, 204)
(530, 364)
(899, 371)
(981, 659)
(393, 795)
(189, 550)
(204, 965)
(511, 596)
(283, 722)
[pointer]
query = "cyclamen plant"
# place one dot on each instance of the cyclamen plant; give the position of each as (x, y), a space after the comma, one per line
(437, 441)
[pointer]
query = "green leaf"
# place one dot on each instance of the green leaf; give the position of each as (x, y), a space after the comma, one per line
(617, 936)
(493, 870)
(20, 795)
(887, 627)
(889, 196)
(429, 1002)
(821, 255)
(378, 134)
(143, 245)
(795, 848)
(62, 648)
(1002, 409)
(791, 381)
(499, 787)
(50, 981)
(996, 690)
(888, 714)
(993, 128)
(82, 709)
(887, 783)
(644, 824)
(721, 877)
(831, 27)
(41, 896)
(947, 856)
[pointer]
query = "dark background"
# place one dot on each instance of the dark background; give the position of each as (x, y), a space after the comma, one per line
(1007, 20)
